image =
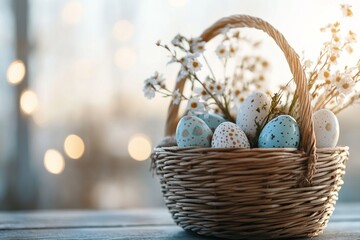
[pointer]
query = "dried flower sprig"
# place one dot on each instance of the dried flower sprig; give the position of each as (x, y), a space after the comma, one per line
(331, 86)
(214, 93)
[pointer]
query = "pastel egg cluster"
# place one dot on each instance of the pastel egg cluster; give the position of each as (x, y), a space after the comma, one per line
(212, 130)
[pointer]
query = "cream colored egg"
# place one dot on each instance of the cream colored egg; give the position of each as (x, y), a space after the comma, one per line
(326, 128)
(252, 112)
(229, 135)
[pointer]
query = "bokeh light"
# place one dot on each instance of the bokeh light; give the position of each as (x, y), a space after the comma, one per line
(139, 147)
(123, 30)
(125, 58)
(54, 161)
(72, 13)
(16, 72)
(28, 102)
(74, 146)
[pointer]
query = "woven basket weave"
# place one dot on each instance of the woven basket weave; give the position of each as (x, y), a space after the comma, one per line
(254, 193)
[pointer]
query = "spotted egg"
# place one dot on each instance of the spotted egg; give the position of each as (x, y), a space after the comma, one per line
(191, 131)
(252, 112)
(326, 127)
(280, 132)
(229, 135)
(212, 120)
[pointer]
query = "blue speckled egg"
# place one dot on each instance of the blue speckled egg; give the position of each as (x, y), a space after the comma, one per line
(212, 120)
(191, 131)
(280, 132)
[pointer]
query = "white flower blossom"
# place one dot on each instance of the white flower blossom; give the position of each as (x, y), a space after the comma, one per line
(345, 85)
(152, 83)
(177, 40)
(149, 88)
(346, 10)
(232, 50)
(324, 74)
(158, 78)
(195, 106)
(198, 47)
(351, 37)
(219, 89)
(192, 63)
(176, 97)
(336, 78)
(222, 51)
(202, 93)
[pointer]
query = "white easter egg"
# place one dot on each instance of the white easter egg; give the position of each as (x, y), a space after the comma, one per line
(253, 110)
(229, 135)
(326, 126)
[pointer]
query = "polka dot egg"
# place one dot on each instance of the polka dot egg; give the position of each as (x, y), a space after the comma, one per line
(191, 131)
(229, 135)
(280, 132)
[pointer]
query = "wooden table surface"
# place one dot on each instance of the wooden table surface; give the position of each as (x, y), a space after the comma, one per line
(136, 224)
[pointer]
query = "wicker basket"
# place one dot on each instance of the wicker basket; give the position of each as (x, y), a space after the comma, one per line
(252, 193)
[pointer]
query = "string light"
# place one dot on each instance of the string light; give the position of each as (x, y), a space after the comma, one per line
(28, 102)
(139, 147)
(123, 30)
(74, 146)
(16, 72)
(54, 161)
(72, 13)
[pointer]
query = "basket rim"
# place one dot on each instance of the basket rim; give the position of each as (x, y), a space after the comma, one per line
(232, 150)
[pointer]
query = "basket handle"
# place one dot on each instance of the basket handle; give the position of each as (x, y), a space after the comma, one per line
(306, 120)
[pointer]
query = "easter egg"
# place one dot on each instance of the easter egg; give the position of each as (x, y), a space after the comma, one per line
(326, 127)
(192, 131)
(212, 120)
(229, 135)
(280, 132)
(253, 110)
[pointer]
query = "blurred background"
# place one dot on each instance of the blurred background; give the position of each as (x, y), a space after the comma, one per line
(75, 128)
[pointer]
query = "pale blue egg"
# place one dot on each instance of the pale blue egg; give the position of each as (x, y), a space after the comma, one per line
(191, 131)
(280, 132)
(212, 120)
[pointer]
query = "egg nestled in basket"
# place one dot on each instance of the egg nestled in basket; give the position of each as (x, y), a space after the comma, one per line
(252, 112)
(280, 132)
(191, 131)
(229, 135)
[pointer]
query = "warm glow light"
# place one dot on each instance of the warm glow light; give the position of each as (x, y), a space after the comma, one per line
(54, 161)
(178, 3)
(74, 146)
(72, 13)
(139, 147)
(123, 30)
(125, 58)
(28, 102)
(16, 72)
